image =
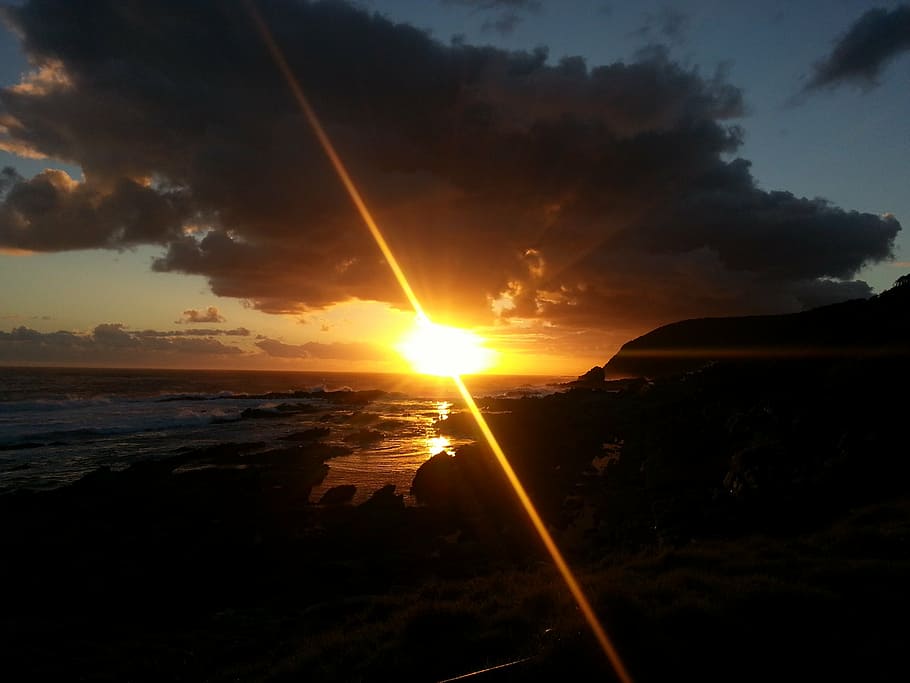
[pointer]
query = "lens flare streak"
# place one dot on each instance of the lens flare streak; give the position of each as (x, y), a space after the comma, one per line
(335, 160)
(539, 526)
(543, 532)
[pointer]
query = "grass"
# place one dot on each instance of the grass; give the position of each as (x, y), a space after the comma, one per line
(811, 607)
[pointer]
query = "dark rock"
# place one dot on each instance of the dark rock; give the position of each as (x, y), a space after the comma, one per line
(100, 478)
(595, 378)
(260, 414)
(295, 456)
(434, 480)
(351, 397)
(338, 495)
(313, 434)
(20, 446)
(385, 499)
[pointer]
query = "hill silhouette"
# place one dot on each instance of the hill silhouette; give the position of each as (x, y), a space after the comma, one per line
(874, 327)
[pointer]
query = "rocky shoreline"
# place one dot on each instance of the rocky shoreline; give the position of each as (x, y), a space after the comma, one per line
(689, 505)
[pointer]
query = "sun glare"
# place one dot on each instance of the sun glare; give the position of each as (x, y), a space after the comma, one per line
(433, 349)
(438, 444)
(438, 350)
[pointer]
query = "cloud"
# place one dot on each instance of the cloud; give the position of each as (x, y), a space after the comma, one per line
(667, 23)
(111, 343)
(8, 179)
(237, 332)
(17, 316)
(209, 315)
(586, 197)
(504, 24)
(336, 350)
(509, 16)
(497, 4)
(860, 54)
(53, 212)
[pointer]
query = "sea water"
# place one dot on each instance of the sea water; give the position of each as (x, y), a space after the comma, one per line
(57, 424)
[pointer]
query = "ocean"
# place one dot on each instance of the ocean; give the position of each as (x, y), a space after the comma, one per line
(58, 424)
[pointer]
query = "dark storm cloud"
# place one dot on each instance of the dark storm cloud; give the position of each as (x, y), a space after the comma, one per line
(209, 315)
(106, 343)
(861, 53)
(830, 242)
(336, 350)
(594, 196)
(53, 212)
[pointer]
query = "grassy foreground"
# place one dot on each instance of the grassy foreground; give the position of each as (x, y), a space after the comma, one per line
(743, 523)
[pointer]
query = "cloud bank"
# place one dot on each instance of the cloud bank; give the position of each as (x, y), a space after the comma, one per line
(336, 350)
(590, 197)
(112, 343)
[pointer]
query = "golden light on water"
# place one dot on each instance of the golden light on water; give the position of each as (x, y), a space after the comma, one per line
(433, 349)
(425, 354)
(438, 444)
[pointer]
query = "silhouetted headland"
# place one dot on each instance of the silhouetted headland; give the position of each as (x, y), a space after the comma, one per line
(875, 327)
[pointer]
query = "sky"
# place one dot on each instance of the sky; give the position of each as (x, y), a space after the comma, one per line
(559, 177)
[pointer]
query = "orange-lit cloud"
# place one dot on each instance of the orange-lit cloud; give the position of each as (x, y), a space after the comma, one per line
(209, 315)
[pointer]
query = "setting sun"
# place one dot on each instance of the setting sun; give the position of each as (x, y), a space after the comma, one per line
(433, 349)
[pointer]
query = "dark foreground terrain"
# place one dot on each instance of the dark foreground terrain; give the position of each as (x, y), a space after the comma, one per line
(746, 521)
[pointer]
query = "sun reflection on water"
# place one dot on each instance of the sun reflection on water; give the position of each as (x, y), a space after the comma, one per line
(437, 444)
(465, 352)
(443, 410)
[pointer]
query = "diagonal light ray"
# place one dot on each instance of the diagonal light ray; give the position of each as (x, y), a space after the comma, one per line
(542, 531)
(330, 152)
(565, 571)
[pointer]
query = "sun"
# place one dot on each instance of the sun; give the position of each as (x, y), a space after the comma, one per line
(433, 349)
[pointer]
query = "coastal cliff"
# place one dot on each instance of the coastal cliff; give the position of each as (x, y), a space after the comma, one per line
(874, 327)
